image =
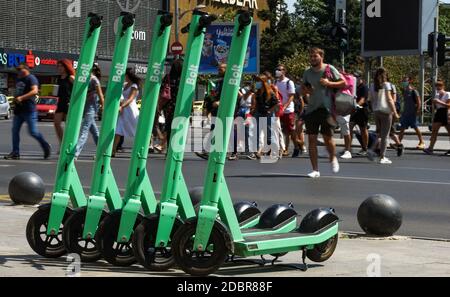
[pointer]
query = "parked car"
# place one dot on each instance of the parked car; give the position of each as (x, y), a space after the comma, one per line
(5, 108)
(46, 107)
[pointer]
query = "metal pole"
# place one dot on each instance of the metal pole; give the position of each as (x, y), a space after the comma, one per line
(177, 21)
(434, 68)
(367, 67)
(422, 86)
(380, 62)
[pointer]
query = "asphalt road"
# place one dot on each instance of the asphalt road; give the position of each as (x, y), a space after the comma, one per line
(421, 184)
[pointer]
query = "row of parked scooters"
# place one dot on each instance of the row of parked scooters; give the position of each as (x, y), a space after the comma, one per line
(196, 230)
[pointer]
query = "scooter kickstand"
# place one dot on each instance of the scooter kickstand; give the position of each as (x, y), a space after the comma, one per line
(305, 265)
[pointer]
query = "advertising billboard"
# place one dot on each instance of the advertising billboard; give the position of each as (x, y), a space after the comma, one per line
(217, 47)
(396, 27)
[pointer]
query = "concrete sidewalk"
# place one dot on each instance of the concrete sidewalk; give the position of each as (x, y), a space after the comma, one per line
(354, 256)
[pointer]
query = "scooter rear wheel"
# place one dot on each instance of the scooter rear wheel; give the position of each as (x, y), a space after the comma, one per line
(47, 246)
(199, 263)
(73, 237)
(117, 254)
(323, 251)
(144, 247)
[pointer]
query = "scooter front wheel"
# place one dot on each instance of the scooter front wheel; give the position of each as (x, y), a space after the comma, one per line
(73, 237)
(116, 253)
(198, 263)
(145, 250)
(48, 246)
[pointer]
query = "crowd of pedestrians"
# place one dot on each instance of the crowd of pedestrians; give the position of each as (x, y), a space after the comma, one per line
(273, 112)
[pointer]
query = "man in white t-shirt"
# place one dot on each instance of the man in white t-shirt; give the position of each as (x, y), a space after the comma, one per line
(286, 87)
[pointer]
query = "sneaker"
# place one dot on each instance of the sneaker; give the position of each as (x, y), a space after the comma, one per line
(447, 153)
(203, 155)
(12, 156)
(158, 148)
(400, 150)
(335, 165)
(420, 146)
(252, 157)
(233, 157)
(362, 153)
(371, 155)
(314, 174)
(385, 161)
(304, 150)
(296, 153)
(346, 155)
(393, 146)
(47, 151)
(428, 151)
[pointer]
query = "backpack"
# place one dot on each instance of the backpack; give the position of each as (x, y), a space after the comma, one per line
(279, 111)
(344, 100)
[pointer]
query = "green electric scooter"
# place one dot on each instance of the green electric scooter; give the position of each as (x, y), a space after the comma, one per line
(151, 240)
(80, 228)
(202, 244)
(44, 228)
(115, 230)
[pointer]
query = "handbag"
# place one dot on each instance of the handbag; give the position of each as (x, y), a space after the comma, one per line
(165, 93)
(344, 104)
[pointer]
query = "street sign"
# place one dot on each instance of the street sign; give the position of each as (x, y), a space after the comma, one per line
(398, 27)
(176, 48)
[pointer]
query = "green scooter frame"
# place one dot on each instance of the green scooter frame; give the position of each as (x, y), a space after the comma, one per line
(175, 197)
(116, 229)
(152, 237)
(68, 187)
(203, 243)
(79, 232)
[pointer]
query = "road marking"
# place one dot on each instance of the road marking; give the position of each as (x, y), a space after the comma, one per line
(7, 165)
(364, 179)
(428, 169)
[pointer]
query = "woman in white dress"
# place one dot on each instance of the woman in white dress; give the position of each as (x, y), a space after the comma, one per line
(129, 112)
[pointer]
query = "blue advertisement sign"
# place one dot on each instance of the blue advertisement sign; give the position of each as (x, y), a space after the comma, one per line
(217, 46)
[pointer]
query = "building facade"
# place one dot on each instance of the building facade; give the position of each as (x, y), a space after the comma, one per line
(39, 32)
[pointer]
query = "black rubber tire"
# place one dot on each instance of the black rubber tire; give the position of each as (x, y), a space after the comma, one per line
(193, 263)
(152, 258)
(36, 230)
(72, 237)
(121, 255)
(323, 251)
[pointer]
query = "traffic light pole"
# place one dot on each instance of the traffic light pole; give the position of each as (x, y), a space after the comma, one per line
(434, 68)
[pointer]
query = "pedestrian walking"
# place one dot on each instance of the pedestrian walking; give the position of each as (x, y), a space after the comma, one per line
(299, 139)
(65, 84)
(277, 115)
(263, 111)
(27, 88)
(383, 105)
(286, 88)
(94, 96)
(129, 112)
(212, 105)
(318, 116)
(360, 117)
(441, 117)
(411, 110)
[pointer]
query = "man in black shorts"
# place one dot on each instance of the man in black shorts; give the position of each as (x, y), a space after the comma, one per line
(319, 82)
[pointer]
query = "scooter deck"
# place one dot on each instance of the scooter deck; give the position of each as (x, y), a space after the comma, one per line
(283, 242)
(286, 226)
